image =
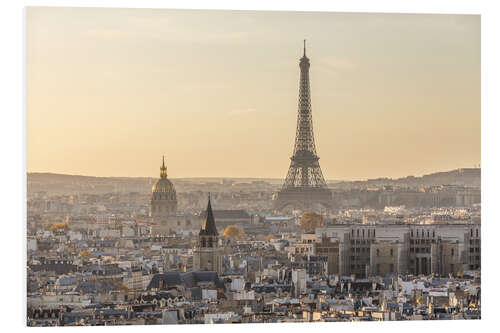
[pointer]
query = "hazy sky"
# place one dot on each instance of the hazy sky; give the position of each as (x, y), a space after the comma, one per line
(111, 90)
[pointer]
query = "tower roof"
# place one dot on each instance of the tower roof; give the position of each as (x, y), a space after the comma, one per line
(208, 227)
(163, 169)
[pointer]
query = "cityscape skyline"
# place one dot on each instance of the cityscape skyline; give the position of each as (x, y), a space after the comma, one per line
(421, 88)
(389, 102)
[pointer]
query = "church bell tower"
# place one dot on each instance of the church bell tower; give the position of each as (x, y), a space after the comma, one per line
(206, 252)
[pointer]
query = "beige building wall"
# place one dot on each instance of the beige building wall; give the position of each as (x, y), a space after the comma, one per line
(416, 249)
(384, 258)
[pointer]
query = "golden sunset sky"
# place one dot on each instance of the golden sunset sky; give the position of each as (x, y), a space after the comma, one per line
(111, 90)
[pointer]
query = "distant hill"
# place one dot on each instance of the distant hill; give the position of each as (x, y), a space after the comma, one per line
(54, 183)
(464, 176)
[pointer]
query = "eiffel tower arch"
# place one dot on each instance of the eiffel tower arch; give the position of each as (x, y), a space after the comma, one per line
(304, 186)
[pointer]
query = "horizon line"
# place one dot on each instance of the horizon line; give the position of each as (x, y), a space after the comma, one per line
(273, 178)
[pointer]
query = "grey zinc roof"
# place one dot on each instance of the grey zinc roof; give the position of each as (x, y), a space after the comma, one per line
(168, 278)
(189, 279)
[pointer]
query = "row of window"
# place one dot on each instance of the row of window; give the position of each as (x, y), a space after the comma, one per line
(420, 250)
(207, 242)
(369, 232)
(420, 241)
(472, 233)
(163, 196)
(361, 249)
(361, 242)
(356, 258)
(159, 208)
(421, 233)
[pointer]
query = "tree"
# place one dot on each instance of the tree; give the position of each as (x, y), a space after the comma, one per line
(85, 253)
(269, 237)
(58, 226)
(124, 288)
(310, 221)
(233, 231)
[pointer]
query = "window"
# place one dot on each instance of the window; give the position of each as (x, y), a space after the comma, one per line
(392, 252)
(357, 232)
(412, 233)
(452, 252)
(363, 233)
(477, 233)
(378, 252)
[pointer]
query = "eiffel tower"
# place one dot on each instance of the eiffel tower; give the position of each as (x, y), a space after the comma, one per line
(304, 185)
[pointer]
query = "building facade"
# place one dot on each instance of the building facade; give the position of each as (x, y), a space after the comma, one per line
(368, 250)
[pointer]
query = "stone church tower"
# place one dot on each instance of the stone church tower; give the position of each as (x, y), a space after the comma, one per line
(207, 256)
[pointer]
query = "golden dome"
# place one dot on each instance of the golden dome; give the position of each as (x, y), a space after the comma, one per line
(163, 185)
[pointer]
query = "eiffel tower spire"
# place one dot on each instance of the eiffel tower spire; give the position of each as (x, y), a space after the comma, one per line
(304, 184)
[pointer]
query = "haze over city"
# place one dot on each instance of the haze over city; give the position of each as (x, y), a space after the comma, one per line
(109, 91)
(204, 167)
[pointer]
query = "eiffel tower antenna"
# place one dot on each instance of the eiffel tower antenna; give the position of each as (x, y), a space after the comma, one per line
(304, 185)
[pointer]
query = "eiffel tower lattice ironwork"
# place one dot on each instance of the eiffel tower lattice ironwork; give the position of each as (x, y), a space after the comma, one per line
(304, 185)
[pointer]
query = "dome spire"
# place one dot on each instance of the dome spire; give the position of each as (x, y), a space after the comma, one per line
(163, 169)
(304, 47)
